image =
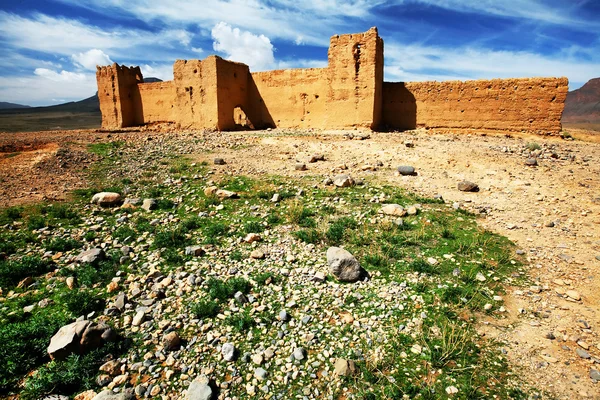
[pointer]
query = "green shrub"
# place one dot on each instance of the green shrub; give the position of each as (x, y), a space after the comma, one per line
(336, 232)
(174, 237)
(223, 290)
(302, 216)
(36, 222)
(253, 227)
(241, 321)
(263, 277)
(422, 266)
(82, 302)
(61, 244)
(11, 214)
(205, 309)
(308, 235)
(12, 271)
(124, 233)
(23, 346)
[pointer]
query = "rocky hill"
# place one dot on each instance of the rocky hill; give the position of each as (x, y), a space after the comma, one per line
(583, 105)
(5, 105)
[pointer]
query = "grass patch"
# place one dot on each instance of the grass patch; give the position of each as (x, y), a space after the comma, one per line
(105, 149)
(223, 290)
(62, 244)
(205, 309)
(13, 271)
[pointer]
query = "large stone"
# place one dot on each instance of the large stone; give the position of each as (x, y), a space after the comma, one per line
(406, 170)
(343, 180)
(150, 204)
(466, 186)
(66, 340)
(228, 351)
(226, 194)
(171, 341)
(106, 199)
(344, 367)
(78, 338)
(194, 251)
(393, 209)
(109, 395)
(200, 389)
(91, 256)
(343, 265)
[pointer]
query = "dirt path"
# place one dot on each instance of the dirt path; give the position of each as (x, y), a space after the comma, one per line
(551, 211)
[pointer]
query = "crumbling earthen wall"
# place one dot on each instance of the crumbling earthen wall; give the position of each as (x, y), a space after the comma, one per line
(289, 98)
(119, 97)
(355, 74)
(232, 91)
(528, 104)
(350, 92)
(346, 94)
(158, 101)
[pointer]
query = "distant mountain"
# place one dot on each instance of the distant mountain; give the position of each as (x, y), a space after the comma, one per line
(4, 105)
(583, 105)
(89, 105)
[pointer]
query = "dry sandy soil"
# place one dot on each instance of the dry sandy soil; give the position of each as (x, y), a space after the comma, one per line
(541, 329)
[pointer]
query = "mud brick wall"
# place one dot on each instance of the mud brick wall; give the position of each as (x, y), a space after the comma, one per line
(288, 98)
(157, 101)
(118, 95)
(355, 74)
(219, 94)
(530, 104)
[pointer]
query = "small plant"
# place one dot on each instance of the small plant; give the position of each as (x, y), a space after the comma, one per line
(35, 222)
(448, 234)
(223, 290)
(82, 302)
(89, 236)
(12, 271)
(240, 322)
(265, 277)
(273, 219)
(62, 244)
(104, 149)
(531, 146)
(170, 238)
(422, 266)
(11, 214)
(301, 216)
(336, 231)
(450, 343)
(236, 255)
(253, 227)
(308, 236)
(205, 309)
(124, 233)
(213, 231)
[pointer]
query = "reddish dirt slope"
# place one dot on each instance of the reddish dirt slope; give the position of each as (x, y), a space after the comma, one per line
(583, 104)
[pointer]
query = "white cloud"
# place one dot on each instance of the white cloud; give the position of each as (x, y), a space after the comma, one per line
(46, 86)
(62, 76)
(91, 58)
(420, 63)
(527, 9)
(242, 46)
(63, 36)
(163, 71)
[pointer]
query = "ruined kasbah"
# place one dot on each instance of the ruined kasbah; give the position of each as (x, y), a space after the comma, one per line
(349, 93)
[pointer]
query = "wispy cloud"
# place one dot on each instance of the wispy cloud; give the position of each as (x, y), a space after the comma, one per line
(64, 36)
(419, 63)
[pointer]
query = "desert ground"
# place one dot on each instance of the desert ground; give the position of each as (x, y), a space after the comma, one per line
(548, 328)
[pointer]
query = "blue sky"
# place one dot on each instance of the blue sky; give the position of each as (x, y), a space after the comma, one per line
(51, 47)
